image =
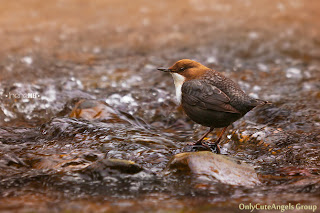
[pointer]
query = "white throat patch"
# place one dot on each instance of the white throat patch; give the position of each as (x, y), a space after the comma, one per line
(178, 81)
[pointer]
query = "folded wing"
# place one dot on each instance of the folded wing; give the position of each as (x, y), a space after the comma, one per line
(206, 96)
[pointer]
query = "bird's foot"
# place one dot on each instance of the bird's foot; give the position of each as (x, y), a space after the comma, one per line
(200, 147)
(212, 147)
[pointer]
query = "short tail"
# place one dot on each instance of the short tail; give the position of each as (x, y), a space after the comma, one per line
(259, 102)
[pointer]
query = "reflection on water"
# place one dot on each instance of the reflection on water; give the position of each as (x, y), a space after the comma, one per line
(111, 151)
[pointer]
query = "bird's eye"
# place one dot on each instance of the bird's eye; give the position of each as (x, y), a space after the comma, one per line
(182, 68)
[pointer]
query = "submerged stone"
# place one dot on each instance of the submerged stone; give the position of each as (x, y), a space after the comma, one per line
(92, 109)
(123, 166)
(222, 168)
(101, 111)
(106, 167)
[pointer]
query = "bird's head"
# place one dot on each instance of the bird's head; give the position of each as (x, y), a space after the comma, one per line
(186, 68)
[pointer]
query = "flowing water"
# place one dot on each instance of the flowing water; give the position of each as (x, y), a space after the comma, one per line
(56, 53)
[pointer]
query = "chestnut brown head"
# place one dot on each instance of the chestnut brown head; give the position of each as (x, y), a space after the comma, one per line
(189, 69)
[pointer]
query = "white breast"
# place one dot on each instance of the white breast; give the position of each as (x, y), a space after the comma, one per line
(178, 81)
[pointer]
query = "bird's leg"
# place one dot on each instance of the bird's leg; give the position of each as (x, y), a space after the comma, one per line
(219, 138)
(199, 142)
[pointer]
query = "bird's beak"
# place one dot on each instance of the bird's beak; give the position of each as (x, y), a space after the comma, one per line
(164, 69)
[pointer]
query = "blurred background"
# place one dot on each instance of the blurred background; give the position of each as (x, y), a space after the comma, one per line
(61, 51)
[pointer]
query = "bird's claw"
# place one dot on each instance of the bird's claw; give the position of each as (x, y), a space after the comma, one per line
(206, 147)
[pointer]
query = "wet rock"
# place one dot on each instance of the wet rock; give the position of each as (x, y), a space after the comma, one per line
(99, 110)
(225, 169)
(110, 167)
(310, 183)
(92, 109)
(123, 166)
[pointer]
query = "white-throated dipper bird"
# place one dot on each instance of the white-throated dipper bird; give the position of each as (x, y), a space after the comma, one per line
(208, 97)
